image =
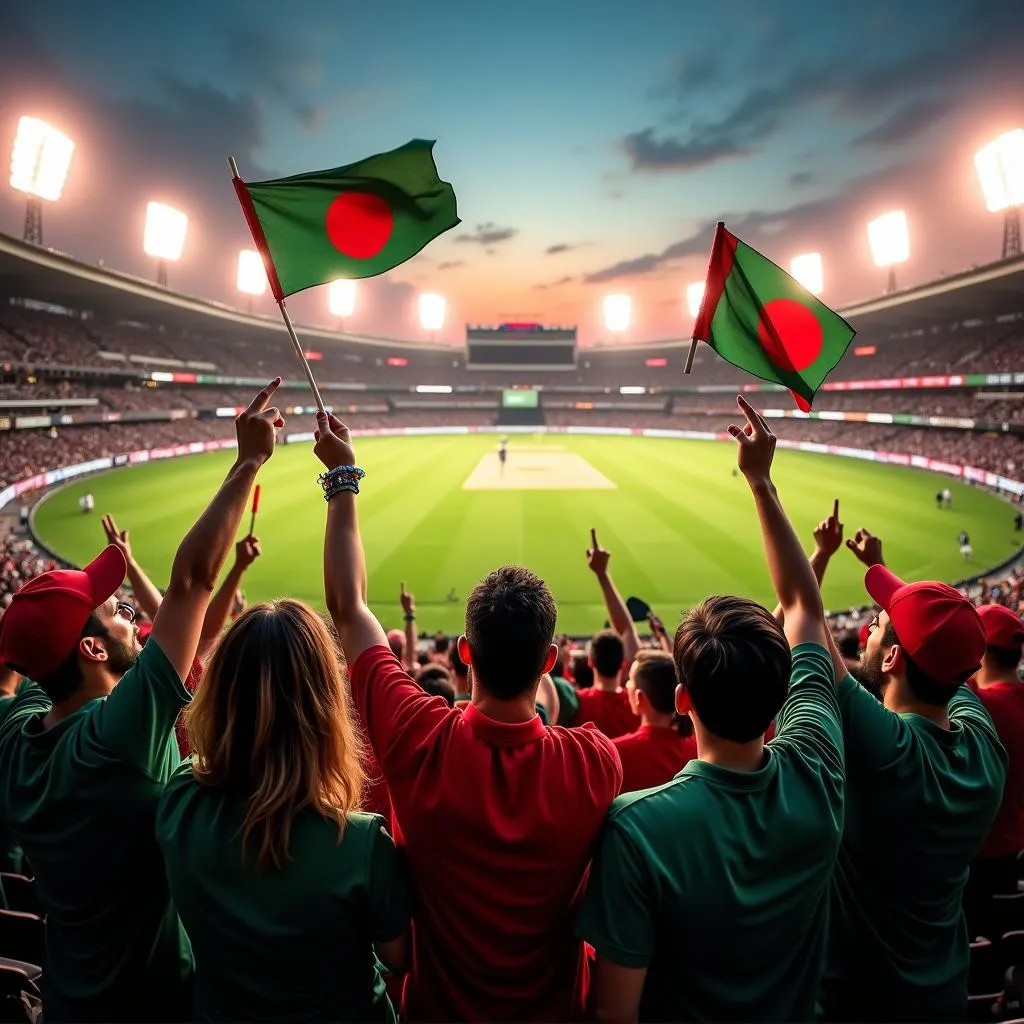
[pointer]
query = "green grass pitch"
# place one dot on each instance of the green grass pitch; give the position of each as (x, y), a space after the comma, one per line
(679, 525)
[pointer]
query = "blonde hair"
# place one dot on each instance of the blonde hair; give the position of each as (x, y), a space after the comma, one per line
(272, 720)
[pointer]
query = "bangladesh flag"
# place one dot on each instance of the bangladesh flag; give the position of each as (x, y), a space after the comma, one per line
(759, 318)
(354, 221)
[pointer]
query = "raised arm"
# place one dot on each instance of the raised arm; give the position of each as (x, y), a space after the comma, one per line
(247, 550)
(409, 614)
(828, 539)
(622, 622)
(658, 630)
(790, 570)
(344, 561)
(147, 597)
(201, 556)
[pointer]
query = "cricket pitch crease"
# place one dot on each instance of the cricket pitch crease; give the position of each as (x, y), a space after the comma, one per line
(537, 469)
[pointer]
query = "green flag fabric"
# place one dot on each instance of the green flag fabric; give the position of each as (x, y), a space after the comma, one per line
(350, 222)
(760, 319)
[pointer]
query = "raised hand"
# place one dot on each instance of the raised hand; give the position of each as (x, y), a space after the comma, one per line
(119, 538)
(755, 444)
(247, 550)
(828, 535)
(597, 557)
(867, 547)
(333, 442)
(407, 599)
(256, 427)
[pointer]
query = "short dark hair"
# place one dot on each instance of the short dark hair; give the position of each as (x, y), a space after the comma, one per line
(655, 677)
(62, 683)
(434, 679)
(920, 684)
(510, 623)
(1004, 657)
(607, 653)
(734, 660)
(582, 673)
(441, 643)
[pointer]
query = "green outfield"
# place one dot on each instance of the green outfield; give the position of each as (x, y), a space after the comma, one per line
(436, 514)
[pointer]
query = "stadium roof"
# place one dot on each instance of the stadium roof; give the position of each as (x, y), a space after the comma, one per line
(28, 271)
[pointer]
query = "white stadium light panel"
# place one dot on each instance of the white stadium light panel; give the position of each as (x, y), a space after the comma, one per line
(252, 275)
(1000, 167)
(694, 297)
(341, 297)
(628, 389)
(433, 389)
(618, 313)
(164, 235)
(40, 159)
(807, 269)
(432, 311)
(889, 238)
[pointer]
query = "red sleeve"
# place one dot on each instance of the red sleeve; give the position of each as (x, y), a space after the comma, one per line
(402, 723)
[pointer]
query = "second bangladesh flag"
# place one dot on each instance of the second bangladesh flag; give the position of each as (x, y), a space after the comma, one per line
(355, 221)
(759, 318)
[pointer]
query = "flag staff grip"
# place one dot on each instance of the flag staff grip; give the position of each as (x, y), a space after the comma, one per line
(689, 355)
(268, 262)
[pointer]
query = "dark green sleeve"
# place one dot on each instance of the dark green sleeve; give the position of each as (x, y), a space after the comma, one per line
(389, 886)
(568, 701)
(136, 721)
(874, 736)
(620, 907)
(810, 717)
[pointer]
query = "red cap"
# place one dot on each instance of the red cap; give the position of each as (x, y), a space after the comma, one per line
(937, 626)
(45, 619)
(863, 634)
(1002, 627)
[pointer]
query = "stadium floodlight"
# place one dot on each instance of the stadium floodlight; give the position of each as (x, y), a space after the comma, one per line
(694, 297)
(889, 238)
(164, 236)
(1000, 167)
(432, 311)
(618, 313)
(806, 268)
(252, 275)
(341, 297)
(40, 159)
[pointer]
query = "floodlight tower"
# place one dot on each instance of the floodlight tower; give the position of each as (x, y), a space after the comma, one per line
(807, 269)
(618, 313)
(889, 238)
(432, 313)
(1000, 167)
(341, 299)
(164, 236)
(252, 275)
(40, 159)
(694, 298)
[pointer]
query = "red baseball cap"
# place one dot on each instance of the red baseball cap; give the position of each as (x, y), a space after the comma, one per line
(45, 619)
(1003, 627)
(937, 626)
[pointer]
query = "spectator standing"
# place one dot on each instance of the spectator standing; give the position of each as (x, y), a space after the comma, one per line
(284, 888)
(925, 773)
(86, 754)
(708, 898)
(496, 812)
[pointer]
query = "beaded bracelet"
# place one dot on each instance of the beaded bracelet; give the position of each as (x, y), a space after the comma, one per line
(348, 473)
(346, 485)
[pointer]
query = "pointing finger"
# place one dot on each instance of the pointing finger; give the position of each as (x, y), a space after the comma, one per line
(835, 511)
(593, 538)
(259, 403)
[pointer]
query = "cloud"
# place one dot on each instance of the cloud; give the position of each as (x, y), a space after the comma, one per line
(800, 178)
(646, 153)
(568, 279)
(451, 264)
(488, 234)
(560, 247)
(905, 124)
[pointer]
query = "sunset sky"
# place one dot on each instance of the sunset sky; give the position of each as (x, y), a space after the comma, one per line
(592, 144)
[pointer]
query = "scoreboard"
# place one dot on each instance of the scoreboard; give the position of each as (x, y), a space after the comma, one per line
(520, 346)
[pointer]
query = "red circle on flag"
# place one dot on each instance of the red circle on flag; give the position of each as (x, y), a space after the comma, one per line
(798, 330)
(359, 224)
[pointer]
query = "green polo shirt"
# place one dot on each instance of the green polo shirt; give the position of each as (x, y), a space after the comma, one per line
(920, 801)
(81, 799)
(282, 945)
(717, 882)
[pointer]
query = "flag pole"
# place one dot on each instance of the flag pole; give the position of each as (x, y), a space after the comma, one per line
(689, 355)
(275, 285)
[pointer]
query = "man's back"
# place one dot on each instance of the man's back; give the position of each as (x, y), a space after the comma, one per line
(82, 801)
(498, 821)
(920, 802)
(717, 882)
(609, 710)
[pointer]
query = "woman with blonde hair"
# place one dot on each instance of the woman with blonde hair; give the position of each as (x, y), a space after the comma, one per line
(285, 889)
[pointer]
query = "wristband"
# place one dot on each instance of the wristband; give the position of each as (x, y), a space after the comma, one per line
(336, 488)
(410, 616)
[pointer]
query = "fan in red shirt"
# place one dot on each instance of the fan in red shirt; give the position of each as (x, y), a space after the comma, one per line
(606, 703)
(497, 813)
(659, 749)
(1001, 691)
